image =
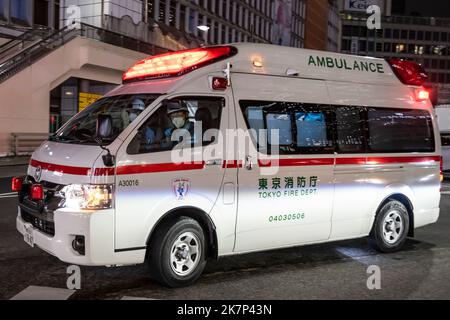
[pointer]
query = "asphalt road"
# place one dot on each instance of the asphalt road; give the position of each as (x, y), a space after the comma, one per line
(329, 271)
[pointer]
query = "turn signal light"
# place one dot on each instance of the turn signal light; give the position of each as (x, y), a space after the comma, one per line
(16, 184)
(219, 83)
(37, 192)
(177, 63)
(409, 72)
(422, 94)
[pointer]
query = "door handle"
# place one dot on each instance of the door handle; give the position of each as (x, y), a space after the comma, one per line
(248, 163)
(214, 162)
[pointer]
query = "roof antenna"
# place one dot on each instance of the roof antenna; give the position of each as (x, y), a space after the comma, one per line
(227, 73)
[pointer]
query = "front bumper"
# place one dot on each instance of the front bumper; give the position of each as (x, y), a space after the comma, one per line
(98, 229)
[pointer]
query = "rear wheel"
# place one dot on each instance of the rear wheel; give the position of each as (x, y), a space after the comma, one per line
(177, 255)
(391, 227)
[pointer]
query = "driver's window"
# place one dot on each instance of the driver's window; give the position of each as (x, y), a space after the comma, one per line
(183, 120)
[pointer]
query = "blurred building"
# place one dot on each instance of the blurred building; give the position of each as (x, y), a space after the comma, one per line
(334, 26)
(57, 56)
(422, 39)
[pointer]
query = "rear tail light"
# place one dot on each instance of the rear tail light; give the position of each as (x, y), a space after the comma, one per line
(176, 63)
(409, 72)
(16, 184)
(37, 192)
(441, 168)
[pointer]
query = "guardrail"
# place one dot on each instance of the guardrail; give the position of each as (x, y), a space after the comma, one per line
(24, 143)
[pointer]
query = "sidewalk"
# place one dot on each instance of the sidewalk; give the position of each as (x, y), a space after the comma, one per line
(14, 161)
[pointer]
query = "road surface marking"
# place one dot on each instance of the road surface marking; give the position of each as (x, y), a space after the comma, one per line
(43, 293)
(8, 195)
(135, 298)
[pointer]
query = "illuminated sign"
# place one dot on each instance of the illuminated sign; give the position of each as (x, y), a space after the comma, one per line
(86, 99)
(362, 5)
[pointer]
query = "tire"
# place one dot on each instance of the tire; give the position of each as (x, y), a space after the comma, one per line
(390, 228)
(171, 257)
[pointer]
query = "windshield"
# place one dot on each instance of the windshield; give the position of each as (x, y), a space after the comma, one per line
(123, 109)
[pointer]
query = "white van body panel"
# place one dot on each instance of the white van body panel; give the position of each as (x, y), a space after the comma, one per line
(64, 155)
(155, 196)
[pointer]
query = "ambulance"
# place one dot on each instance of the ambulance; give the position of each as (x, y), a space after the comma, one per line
(226, 150)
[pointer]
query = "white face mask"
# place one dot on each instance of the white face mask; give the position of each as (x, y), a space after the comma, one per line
(132, 116)
(178, 122)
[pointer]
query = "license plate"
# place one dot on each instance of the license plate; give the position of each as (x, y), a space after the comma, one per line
(28, 235)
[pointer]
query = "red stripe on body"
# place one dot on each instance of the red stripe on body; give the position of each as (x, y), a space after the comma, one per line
(296, 162)
(159, 167)
(389, 160)
(232, 164)
(169, 167)
(82, 171)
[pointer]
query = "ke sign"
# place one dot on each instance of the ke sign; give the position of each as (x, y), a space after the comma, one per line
(362, 5)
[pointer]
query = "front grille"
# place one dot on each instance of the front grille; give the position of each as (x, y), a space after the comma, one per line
(48, 227)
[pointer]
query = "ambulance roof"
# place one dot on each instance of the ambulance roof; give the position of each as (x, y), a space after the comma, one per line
(265, 59)
(287, 61)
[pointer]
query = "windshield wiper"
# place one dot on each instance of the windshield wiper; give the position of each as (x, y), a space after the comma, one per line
(66, 139)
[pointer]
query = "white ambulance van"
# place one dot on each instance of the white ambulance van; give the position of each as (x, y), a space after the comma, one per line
(226, 150)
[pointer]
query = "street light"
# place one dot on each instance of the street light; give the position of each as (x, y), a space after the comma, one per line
(205, 29)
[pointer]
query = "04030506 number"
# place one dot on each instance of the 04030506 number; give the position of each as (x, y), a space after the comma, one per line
(287, 217)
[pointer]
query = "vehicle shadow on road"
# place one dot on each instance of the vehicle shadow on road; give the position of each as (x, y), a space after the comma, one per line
(308, 272)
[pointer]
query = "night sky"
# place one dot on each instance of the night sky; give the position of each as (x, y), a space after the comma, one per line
(430, 8)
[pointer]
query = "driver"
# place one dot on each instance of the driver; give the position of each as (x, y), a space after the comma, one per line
(178, 114)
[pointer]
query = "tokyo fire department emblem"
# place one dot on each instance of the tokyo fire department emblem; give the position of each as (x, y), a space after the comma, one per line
(181, 188)
(38, 174)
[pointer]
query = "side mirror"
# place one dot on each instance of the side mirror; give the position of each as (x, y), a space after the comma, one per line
(104, 127)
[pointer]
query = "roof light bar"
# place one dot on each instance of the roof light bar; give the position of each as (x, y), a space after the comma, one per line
(409, 72)
(177, 63)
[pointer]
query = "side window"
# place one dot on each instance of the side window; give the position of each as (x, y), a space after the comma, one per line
(281, 122)
(445, 138)
(300, 128)
(399, 130)
(311, 129)
(350, 130)
(181, 120)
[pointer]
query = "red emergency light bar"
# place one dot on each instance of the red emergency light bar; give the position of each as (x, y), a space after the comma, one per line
(409, 72)
(177, 63)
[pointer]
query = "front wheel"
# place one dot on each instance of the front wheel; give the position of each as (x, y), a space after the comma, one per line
(390, 228)
(177, 255)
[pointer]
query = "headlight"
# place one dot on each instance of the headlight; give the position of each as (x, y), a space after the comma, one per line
(87, 196)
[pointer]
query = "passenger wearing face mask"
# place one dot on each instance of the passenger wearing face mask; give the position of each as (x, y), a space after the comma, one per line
(137, 106)
(128, 115)
(178, 114)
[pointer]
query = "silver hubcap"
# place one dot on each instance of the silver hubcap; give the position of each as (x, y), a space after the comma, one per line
(185, 254)
(392, 227)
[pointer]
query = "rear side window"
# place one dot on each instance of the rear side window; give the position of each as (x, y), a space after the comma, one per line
(311, 127)
(399, 130)
(350, 130)
(293, 128)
